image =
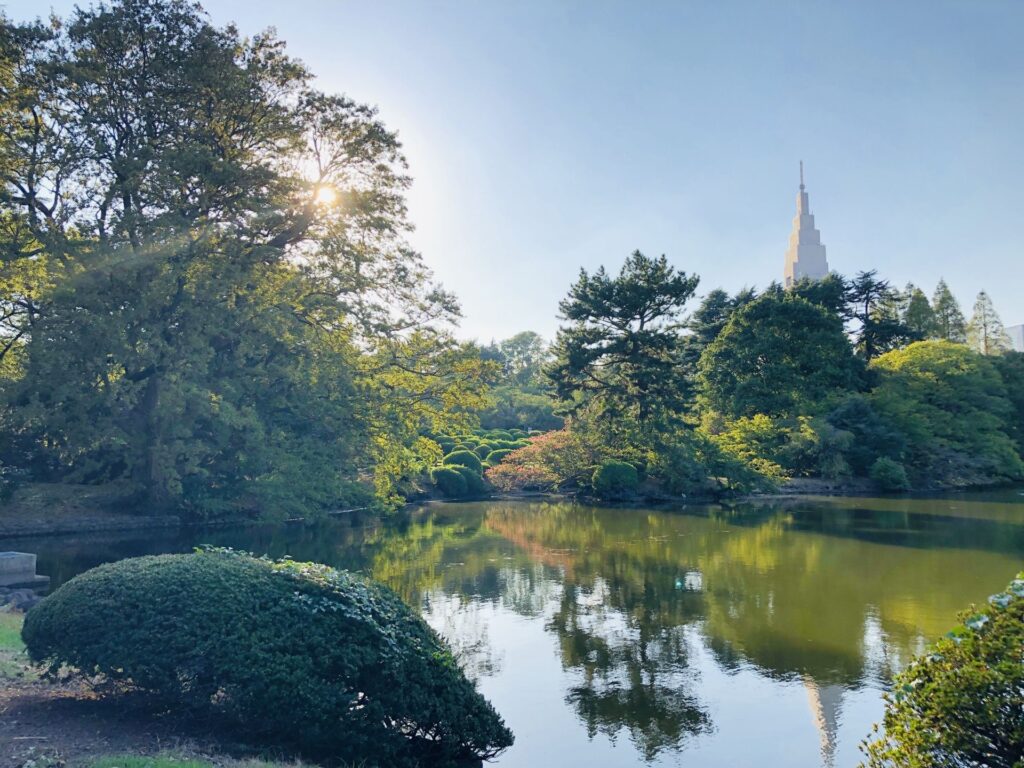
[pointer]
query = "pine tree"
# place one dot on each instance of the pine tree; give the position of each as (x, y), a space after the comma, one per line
(985, 332)
(918, 314)
(949, 320)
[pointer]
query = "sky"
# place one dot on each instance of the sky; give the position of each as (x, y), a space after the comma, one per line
(545, 136)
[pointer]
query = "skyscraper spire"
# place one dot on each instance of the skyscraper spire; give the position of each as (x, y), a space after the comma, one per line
(805, 257)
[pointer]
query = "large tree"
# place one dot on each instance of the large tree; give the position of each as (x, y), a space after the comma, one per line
(218, 286)
(950, 324)
(952, 406)
(985, 332)
(918, 315)
(780, 355)
(875, 306)
(620, 350)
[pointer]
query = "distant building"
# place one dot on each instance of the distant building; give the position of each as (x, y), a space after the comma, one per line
(1016, 334)
(805, 257)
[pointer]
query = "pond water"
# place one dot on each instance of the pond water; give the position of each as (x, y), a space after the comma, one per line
(759, 634)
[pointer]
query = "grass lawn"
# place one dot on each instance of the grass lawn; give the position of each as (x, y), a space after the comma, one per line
(13, 662)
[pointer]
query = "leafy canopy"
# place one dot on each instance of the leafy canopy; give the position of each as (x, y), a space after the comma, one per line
(620, 350)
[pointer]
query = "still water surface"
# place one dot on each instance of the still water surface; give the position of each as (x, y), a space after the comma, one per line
(760, 634)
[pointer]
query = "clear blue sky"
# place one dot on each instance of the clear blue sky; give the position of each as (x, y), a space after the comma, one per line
(545, 136)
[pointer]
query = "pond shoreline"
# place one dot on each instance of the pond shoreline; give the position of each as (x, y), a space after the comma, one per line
(69, 520)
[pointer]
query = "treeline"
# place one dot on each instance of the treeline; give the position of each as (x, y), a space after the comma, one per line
(838, 379)
(206, 294)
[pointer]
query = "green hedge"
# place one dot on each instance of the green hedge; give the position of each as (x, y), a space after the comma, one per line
(495, 457)
(464, 459)
(615, 479)
(475, 484)
(300, 655)
(449, 481)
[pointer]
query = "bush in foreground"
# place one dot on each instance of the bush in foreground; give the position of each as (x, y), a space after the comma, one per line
(963, 703)
(298, 654)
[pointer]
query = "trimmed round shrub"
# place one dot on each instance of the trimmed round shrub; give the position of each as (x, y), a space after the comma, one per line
(449, 481)
(482, 450)
(496, 456)
(889, 475)
(615, 479)
(464, 459)
(298, 654)
(962, 703)
(475, 485)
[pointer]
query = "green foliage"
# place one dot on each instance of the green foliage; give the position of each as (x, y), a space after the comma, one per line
(615, 479)
(475, 485)
(184, 312)
(962, 703)
(497, 455)
(449, 481)
(778, 355)
(872, 435)
(303, 655)
(464, 459)
(620, 350)
(1011, 371)
(952, 407)
(889, 475)
(918, 316)
(875, 307)
(985, 332)
(950, 324)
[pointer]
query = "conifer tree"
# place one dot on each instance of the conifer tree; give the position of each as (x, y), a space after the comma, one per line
(949, 320)
(918, 314)
(985, 332)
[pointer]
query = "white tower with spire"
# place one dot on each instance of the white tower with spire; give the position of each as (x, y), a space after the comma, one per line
(805, 257)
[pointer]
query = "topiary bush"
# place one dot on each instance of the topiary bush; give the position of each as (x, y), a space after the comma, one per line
(482, 450)
(475, 485)
(889, 475)
(464, 459)
(298, 654)
(615, 479)
(962, 704)
(449, 481)
(494, 457)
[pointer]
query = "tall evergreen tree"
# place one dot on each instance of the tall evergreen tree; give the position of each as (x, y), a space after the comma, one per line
(918, 315)
(985, 332)
(874, 305)
(950, 324)
(620, 350)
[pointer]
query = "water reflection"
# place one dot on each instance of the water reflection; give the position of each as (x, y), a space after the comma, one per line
(673, 633)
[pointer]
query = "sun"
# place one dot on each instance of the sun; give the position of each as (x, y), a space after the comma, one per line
(326, 195)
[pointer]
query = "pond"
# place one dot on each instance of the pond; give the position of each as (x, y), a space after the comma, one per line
(726, 635)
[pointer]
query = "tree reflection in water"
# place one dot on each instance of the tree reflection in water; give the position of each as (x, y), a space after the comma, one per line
(827, 598)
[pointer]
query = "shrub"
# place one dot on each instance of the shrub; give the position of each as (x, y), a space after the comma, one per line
(615, 479)
(962, 704)
(475, 485)
(482, 450)
(464, 459)
(299, 654)
(889, 475)
(449, 481)
(495, 456)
